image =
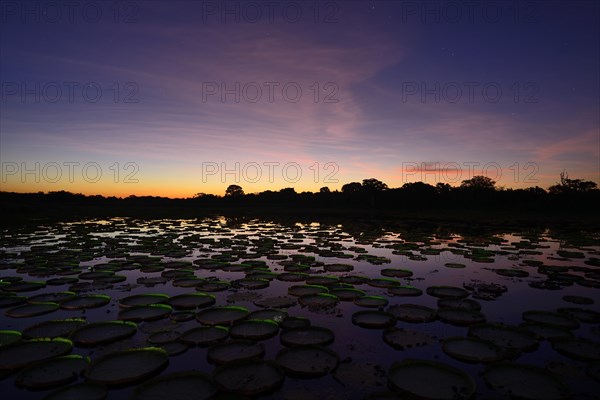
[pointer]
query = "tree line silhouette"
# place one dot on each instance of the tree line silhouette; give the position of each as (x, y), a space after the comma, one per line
(478, 193)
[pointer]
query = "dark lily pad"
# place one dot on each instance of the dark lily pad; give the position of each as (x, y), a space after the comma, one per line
(225, 315)
(127, 366)
(53, 328)
(551, 318)
(22, 353)
(235, 350)
(373, 319)
(470, 349)
(31, 310)
(87, 391)
(52, 373)
(578, 349)
(460, 317)
(276, 302)
(413, 313)
(177, 386)
(143, 299)
(306, 336)
(303, 290)
(371, 301)
(249, 378)
(150, 312)
(525, 382)
(447, 292)
(103, 332)
(405, 291)
(307, 361)
(191, 301)
(254, 329)
(205, 335)
(318, 301)
(430, 380)
(506, 337)
(402, 339)
(85, 301)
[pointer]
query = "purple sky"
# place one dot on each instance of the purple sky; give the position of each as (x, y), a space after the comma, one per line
(400, 91)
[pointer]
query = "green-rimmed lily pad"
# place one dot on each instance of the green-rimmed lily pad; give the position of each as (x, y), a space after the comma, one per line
(312, 335)
(127, 366)
(85, 301)
(225, 315)
(8, 337)
(53, 328)
(318, 301)
(87, 391)
(578, 349)
(205, 335)
(430, 380)
(254, 329)
(506, 337)
(250, 377)
(405, 291)
(402, 339)
(307, 361)
(177, 386)
(143, 299)
(551, 318)
(150, 312)
(272, 314)
(347, 294)
(23, 353)
(235, 350)
(525, 382)
(191, 301)
(373, 319)
(460, 317)
(447, 292)
(103, 332)
(471, 349)
(53, 372)
(31, 310)
(371, 301)
(413, 313)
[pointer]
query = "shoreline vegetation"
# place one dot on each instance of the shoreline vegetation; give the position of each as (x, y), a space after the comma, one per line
(572, 201)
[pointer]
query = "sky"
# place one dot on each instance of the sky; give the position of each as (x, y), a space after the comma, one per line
(174, 98)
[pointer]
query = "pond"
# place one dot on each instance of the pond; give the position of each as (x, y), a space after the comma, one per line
(279, 309)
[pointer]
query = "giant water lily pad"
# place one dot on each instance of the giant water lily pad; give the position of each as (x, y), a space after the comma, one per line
(249, 378)
(312, 335)
(318, 301)
(402, 339)
(430, 380)
(225, 315)
(447, 292)
(254, 329)
(23, 353)
(191, 301)
(235, 350)
(87, 391)
(52, 373)
(190, 385)
(578, 349)
(414, 313)
(8, 337)
(551, 318)
(127, 366)
(525, 382)
(472, 350)
(103, 332)
(373, 319)
(86, 301)
(53, 328)
(205, 335)
(505, 336)
(307, 361)
(151, 312)
(143, 299)
(32, 310)
(460, 317)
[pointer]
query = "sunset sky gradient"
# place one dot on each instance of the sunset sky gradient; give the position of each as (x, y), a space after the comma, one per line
(373, 57)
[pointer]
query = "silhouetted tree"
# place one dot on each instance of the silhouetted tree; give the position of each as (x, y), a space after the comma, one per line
(352, 187)
(571, 185)
(324, 189)
(373, 185)
(234, 191)
(479, 182)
